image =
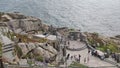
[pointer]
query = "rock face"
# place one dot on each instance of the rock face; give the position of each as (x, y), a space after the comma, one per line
(21, 24)
(118, 36)
(17, 21)
(9, 16)
(38, 49)
(41, 52)
(48, 48)
(25, 47)
(25, 24)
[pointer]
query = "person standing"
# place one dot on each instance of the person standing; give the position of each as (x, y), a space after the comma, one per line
(71, 57)
(75, 57)
(88, 51)
(85, 60)
(88, 59)
(79, 57)
(68, 56)
(68, 43)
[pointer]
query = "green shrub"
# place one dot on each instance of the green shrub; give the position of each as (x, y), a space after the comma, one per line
(71, 29)
(101, 49)
(111, 46)
(39, 58)
(18, 51)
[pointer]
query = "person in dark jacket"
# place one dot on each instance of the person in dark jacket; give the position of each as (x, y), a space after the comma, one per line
(79, 57)
(68, 56)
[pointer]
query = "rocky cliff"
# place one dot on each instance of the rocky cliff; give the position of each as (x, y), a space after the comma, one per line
(21, 23)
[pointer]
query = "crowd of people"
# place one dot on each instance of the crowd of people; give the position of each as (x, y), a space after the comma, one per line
(77, 58)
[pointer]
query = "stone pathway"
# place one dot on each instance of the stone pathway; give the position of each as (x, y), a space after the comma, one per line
(76, 44)
(93, 61)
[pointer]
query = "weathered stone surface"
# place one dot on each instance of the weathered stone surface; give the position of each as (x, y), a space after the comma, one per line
(23, 48)
(118, 36)
(41, 52)
(16, 15)
(24, 25)
(38, 49)
(48, 48)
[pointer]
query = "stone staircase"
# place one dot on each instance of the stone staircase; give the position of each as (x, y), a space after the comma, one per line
(7, 48)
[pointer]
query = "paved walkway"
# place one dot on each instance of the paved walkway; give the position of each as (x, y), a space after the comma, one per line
(76, 44)
(93, 61)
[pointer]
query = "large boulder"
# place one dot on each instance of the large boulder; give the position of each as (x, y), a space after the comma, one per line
(118, 36)
(48, 48)
(41, 52)
(25, 24)
(38, 49)
(26, 47)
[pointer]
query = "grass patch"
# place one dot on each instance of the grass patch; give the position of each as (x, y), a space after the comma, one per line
(18, 51)
(112, 46)
(39, 58)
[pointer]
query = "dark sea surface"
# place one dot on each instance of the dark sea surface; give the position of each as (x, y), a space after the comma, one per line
(102, 16)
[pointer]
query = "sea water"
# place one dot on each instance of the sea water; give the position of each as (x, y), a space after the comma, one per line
(102, 16)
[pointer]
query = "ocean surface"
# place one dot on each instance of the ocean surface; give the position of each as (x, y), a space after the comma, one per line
(102, 16)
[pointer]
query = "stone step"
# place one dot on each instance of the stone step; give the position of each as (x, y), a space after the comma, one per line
(7, 47)
(7, 50)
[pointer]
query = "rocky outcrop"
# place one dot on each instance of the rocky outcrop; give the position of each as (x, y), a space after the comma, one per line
(118, 36)
(37, 49)
(26, 47)
(25, 25)
(48, 48)
(18, 21)
(103, 43)
(41, 52)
